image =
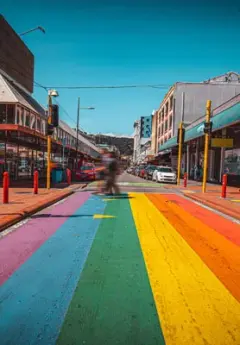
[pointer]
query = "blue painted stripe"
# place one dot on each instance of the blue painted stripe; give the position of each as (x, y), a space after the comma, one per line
(34, 300)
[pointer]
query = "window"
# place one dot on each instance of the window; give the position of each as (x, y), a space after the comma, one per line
(27, 118)
(166, 170)
(38, 124)
(170, 122)
(43, 130)
(171, 102)
(3, 113)
(165, 126)
(166, 109)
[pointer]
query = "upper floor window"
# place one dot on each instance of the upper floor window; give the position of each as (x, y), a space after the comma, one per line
(27, 118)
(38, 128)
(171, 102)
(3, 113)
(166, 109)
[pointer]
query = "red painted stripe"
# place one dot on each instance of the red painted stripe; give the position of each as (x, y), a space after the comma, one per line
(223, 226)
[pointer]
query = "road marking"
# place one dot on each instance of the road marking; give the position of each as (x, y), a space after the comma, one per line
(102, 216)
(193, 305)
(236, 200)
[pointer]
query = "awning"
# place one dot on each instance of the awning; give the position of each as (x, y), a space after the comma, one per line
(226, 118)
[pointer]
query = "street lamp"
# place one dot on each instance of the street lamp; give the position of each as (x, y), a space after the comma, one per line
(34, 29)
(51, 93)
(78, 115)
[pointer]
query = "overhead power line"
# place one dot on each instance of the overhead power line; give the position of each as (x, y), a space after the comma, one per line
(158, 86)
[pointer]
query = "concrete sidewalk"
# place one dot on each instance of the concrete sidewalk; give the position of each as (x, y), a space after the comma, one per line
(212, 198)
(23, 203)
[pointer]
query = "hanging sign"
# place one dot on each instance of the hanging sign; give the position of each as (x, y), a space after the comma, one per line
(221, 142)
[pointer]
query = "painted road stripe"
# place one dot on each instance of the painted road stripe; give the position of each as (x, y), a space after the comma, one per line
(193, 305)
(223, 226)
(35, 298)
(19, 245)
(113, 302)
(206, 242)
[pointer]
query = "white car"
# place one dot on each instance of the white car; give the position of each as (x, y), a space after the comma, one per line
(164, 174)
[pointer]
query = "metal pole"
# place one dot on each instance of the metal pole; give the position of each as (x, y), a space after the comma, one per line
(180, 144)
(78, 115)
(49, 145)
(205, 163)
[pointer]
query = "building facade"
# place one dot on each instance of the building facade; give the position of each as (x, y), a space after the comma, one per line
(187, 102)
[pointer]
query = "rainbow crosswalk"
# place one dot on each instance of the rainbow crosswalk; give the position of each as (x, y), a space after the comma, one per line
(136, 269)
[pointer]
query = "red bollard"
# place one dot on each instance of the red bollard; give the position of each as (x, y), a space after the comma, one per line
(5, 187)
(69, 176)
(185, 180)
(35, 182)
(224, 186)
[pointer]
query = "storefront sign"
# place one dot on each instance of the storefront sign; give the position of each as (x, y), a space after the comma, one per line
(221, 142)
(200, 129)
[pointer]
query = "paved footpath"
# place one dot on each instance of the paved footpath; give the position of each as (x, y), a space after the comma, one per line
(138, 269)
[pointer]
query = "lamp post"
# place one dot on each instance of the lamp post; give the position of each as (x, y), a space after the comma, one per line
(40, 28)
(78, 115)
(51, 93)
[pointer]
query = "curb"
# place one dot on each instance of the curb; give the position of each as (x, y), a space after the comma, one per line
(214, 205)
(33, 209)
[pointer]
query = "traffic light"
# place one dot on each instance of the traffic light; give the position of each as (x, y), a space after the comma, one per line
(208, 127)
(183, 135)
(54, 115)
(50, 129)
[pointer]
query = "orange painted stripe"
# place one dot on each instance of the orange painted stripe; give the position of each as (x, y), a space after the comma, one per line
(223, 226)
(219, 254)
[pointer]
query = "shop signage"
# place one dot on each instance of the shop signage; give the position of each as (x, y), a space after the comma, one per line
(200, 129)
(221, 142)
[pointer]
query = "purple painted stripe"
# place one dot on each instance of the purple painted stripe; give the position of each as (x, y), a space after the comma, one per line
(19, 245)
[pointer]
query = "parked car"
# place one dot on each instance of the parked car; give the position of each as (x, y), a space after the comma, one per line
(138, 169)
(164, 174)
(87, 172)
(148, 172)
(142, 172)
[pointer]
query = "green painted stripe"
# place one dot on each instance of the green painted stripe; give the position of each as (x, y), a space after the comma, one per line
(113, 301)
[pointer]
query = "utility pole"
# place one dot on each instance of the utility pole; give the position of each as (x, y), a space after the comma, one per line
(180, 141)
(78, 115)
(49, 142)
(207, 131)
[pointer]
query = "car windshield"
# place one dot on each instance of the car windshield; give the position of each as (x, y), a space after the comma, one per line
(167, 170)
(151, 167)
(86, 167)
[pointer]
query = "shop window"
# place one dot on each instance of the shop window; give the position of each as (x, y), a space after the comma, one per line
(3, 113)
(27, 119)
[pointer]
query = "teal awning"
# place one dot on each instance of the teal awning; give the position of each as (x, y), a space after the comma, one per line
(168, 144)
(225, 118)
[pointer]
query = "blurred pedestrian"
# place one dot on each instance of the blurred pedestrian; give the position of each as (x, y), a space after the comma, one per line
(102, 171)
(111, 178)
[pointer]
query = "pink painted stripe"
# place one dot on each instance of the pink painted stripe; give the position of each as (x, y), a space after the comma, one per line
(19, 245)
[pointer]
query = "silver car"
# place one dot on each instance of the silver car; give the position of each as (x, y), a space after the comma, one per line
(164, 174)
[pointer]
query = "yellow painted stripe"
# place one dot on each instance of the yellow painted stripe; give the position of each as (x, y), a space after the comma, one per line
(193, 305)
(102, 216)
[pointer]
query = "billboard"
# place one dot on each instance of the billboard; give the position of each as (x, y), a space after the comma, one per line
(16, 60)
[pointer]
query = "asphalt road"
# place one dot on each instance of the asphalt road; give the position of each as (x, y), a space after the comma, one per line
(137, 269)
(131, 183)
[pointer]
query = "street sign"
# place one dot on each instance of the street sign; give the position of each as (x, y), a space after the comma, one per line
(222, 142)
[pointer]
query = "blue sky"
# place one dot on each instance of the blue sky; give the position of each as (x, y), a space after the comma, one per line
(124, 43)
